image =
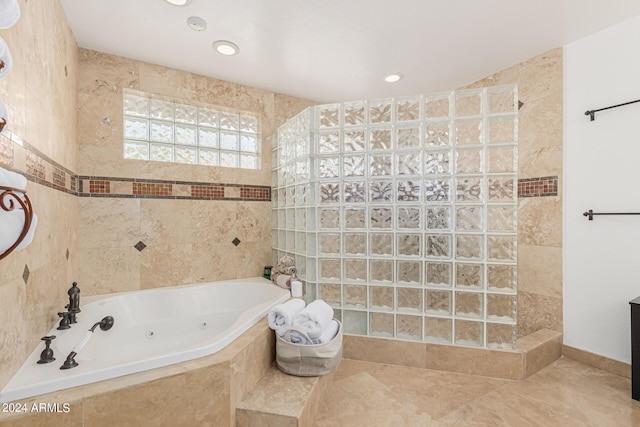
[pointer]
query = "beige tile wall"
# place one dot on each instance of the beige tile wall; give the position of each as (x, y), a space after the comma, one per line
(187, 241)
(539, 218)
(40, 94)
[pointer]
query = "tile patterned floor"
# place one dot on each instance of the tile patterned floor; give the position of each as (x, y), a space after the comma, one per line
(566, 393)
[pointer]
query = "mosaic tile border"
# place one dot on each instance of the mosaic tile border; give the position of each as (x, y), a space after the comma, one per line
(538, 187)
(19, 156)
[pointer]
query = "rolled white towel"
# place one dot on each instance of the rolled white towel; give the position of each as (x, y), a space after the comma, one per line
(283, 281)
(5, 56)
(12, 179)
(9, 13)
(328, 333)
(11, 225)
(281, 316)
(295, 336)
(314, 318)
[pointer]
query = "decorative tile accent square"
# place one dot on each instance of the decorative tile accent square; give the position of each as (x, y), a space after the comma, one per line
(25, 274)
(206, 191)
(235, 241)
(140, 246)
(99, 187)
(6, 151)
(254, 193)
(538, 187)
(59, 177)
(35, 165)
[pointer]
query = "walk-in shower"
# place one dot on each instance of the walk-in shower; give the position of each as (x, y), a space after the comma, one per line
(402, 213)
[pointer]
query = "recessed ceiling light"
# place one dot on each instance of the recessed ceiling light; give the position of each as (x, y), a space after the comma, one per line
(178, 2)
(196, 23)
(392, 78)
(226, 47)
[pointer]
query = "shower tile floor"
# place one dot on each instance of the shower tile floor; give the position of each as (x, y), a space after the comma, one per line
(566, 393)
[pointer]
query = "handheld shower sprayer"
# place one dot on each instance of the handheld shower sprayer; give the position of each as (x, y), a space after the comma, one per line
(105, 324)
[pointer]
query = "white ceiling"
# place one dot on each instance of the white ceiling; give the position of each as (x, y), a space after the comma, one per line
(337, 50)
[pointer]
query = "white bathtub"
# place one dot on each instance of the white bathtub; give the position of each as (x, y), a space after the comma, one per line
(152, 328)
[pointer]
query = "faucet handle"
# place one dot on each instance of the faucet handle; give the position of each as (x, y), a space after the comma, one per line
(65, 321)
(47, 340)
(47, 354)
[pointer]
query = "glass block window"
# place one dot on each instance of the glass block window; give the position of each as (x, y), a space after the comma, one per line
(173, 131)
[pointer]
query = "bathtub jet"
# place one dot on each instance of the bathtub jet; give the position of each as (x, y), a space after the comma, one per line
(105, 324)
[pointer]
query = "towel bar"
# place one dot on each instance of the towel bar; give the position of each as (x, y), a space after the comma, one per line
(591, 213)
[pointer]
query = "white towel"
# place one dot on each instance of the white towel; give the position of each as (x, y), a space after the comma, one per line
(12, 179)
(5, 56)
(281, 316)
(314, 318)
(297, 337)
(9, 13)
(12, 222)
(4, 114)
(328, 333)
(11, 225)
(282, 280)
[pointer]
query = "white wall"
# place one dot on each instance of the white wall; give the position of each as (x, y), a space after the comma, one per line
(601, 172)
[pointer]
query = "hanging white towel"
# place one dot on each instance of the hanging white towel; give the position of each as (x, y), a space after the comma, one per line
(11, 225)
(314, 318)
(12, 179)
(280, 317)
(9, 13)
(4, 114)
(29, 237)
(5, 56)
(12, 222)
(328, 333)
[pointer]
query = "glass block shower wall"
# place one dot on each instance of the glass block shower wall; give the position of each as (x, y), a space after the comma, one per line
(402, 213)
